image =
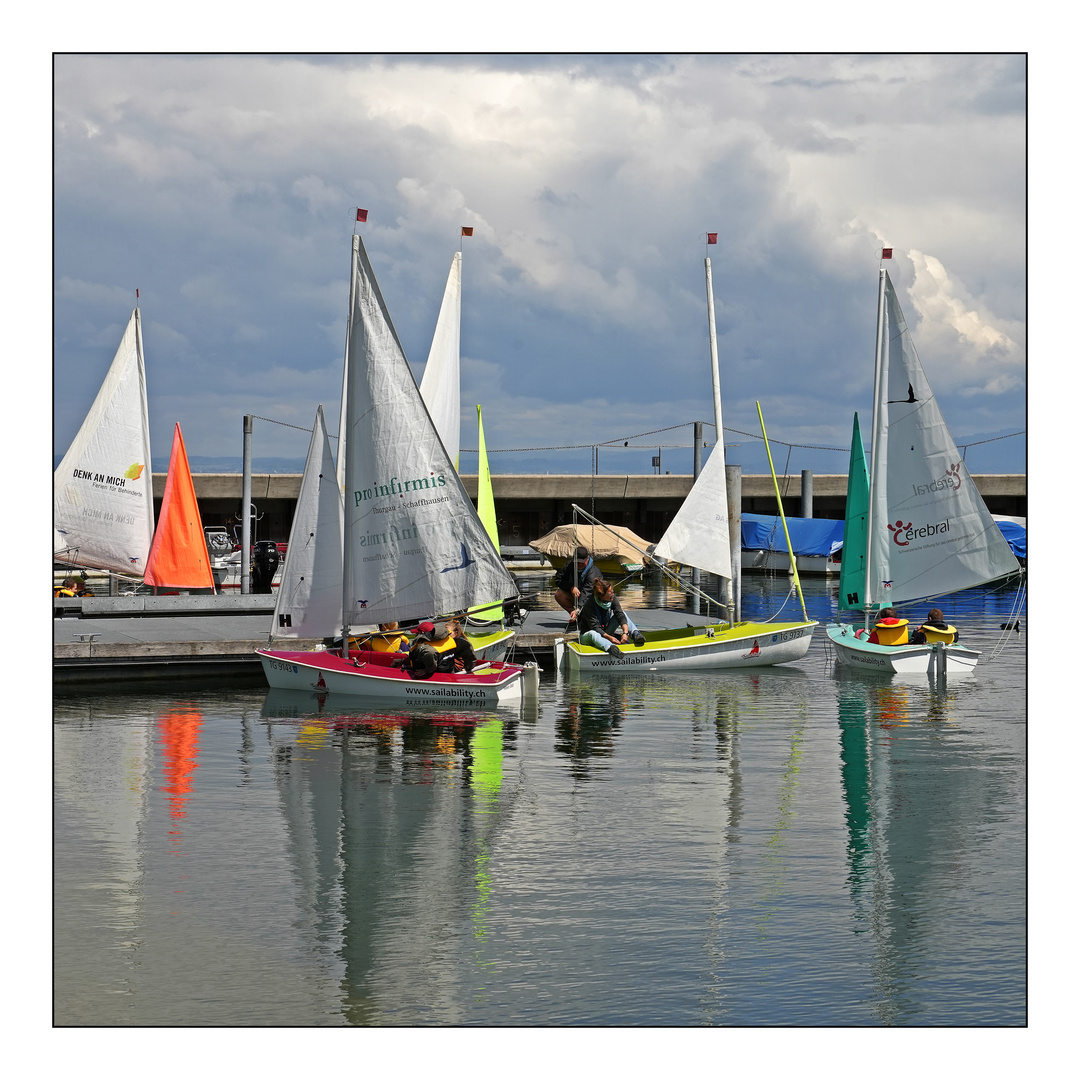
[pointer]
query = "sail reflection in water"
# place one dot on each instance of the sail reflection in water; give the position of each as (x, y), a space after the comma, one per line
(904, 777)
(392, 818)
(784, 846)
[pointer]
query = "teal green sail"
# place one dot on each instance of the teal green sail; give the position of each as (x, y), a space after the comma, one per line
(853, 558)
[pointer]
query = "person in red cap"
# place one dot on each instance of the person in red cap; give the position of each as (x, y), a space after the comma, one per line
(886, 617)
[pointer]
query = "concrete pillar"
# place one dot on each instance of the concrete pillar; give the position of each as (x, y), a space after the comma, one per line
(807, 507)
(245, 520)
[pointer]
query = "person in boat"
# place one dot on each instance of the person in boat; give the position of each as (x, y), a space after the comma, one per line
(389, 639)
(464, 656)
(886, 617)
(72, 586)
(567, 594)
(602, 622)
(432, 650)
(935, 620)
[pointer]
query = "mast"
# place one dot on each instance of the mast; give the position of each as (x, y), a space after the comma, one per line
(343, 463)
(879, 440)
(718, 416)
(345, 373)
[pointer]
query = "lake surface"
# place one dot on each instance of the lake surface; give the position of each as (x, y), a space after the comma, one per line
(792, 846)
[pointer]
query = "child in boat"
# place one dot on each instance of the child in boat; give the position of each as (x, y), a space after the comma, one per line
(886, 618)
(935, 620)
(464, 656)
(432, 650)
(389, 639)
(602, 622)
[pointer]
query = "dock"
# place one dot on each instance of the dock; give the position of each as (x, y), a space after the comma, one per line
(114, 640)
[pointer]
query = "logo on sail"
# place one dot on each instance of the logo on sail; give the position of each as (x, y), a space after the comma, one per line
(903, 535)
(950, 481)
(396, 487)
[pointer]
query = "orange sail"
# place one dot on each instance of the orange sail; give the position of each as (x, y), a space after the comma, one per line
(178, 555)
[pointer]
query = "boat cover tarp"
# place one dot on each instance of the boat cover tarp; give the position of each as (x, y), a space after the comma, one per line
(822, 536)
(809, 536)
(1016, 534)
(564, 539)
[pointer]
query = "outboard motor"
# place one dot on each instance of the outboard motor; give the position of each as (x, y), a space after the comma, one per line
(264, 564)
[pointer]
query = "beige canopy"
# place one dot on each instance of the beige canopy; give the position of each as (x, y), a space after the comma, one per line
(562, 541)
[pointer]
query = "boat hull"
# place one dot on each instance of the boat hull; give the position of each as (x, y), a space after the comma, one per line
(697, 648)
(493, 646)
(369, 675)
(861, 655)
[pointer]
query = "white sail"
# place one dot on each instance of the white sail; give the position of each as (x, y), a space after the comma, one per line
(414, 545)
(698, 534)
(103, 503)
(309, 596)
(440, 385)
(931, 532)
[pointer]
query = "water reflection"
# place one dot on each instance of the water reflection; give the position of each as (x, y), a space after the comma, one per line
(909, 789)
(393, 819)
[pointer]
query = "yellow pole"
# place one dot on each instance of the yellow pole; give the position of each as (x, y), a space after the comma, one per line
(780, 504)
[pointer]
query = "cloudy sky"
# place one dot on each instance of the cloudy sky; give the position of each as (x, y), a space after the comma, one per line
(224, 188)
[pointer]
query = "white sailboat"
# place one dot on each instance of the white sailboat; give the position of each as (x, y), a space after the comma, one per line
(413, 543)
(699, 535)
(309, 594)
(916, 526)
(103, 502)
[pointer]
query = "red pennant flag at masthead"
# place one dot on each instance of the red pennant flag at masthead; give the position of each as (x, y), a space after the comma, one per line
(361, 215)
(466, 230)
(711, 238)
(886, 253)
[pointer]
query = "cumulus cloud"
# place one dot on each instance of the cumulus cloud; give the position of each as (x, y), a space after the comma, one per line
(226, 186)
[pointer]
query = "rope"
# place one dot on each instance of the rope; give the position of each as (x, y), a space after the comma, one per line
(626, 439)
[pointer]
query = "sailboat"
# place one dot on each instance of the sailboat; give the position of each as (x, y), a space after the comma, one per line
(916, 526)
(413, 543)
(699, 535)
(103, 503)
(308, 601)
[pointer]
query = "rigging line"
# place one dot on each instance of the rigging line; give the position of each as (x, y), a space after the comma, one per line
(283, 424)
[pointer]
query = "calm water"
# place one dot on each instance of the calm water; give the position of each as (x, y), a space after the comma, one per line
(788, 847)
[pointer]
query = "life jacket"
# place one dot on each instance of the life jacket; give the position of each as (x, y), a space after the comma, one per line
(389, 642)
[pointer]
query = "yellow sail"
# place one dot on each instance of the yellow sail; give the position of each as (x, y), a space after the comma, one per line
(485, 509)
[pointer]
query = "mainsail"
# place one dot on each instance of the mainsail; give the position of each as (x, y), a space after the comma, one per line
(698, 534)
(414, 546)
(440, 385)
(178, 555)
(103, 505)
(309, 596)
(930, 531)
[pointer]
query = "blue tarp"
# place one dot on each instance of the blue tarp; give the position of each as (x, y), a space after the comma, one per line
(1017, 537)
(821, 536)
(809, 536)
